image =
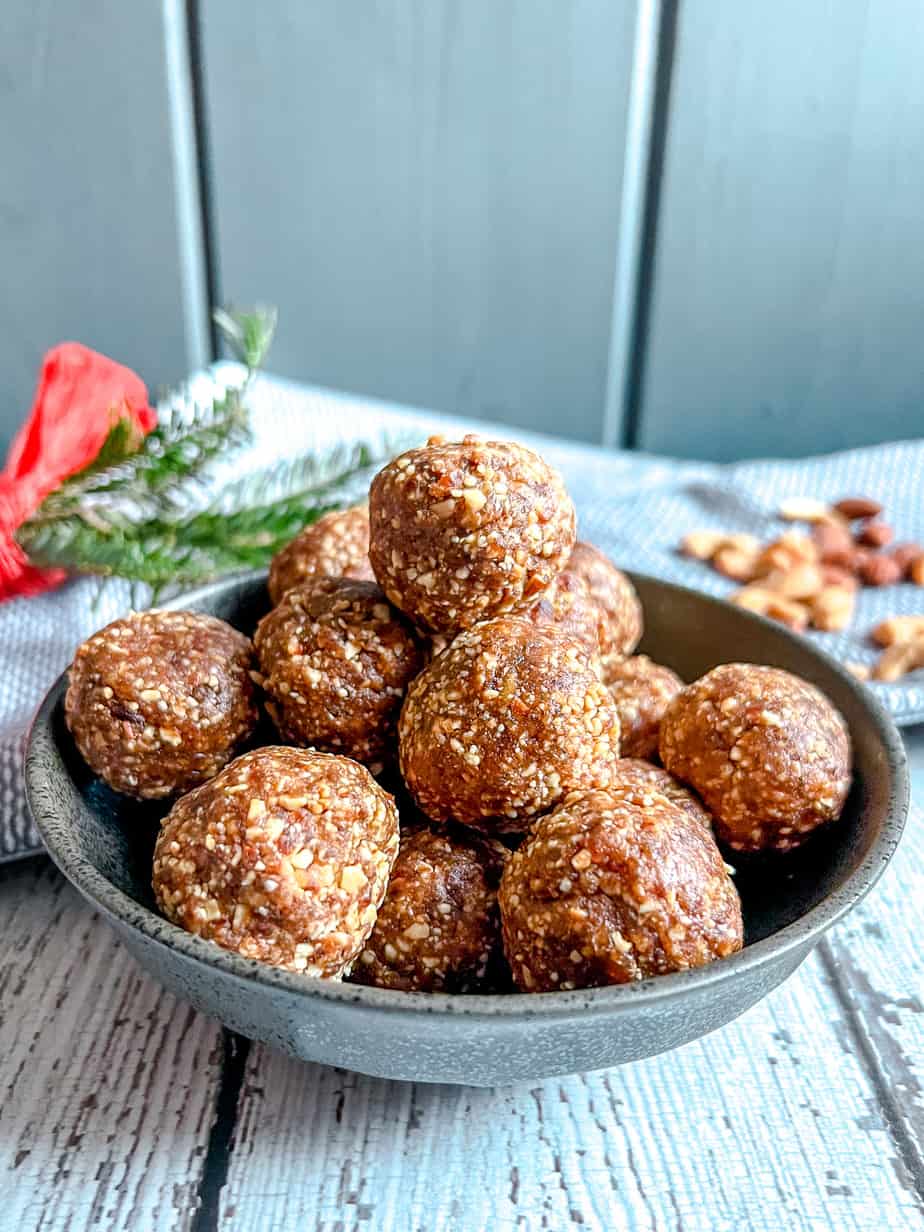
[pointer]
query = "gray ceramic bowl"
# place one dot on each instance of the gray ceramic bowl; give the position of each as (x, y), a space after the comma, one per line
(103, 842)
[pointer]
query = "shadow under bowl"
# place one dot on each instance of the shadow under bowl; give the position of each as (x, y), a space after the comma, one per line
(103, 842)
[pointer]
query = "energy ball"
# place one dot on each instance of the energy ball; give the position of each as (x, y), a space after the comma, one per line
(460, 532)
(637, 777)
(336, 545)
(283, 857)
(622, 626)
(438, 928)
(503, 724)
(158, 702)
(569, 604)
(642, 691)
(336, 660)
(767, 752)
(613, 888)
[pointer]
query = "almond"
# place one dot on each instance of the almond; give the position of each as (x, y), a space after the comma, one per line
(702, 544)
(785, 553)
(876, 534)
(836, 575)
(855, 507)
(898, 629)
(916, 571)
(900, 659)
(753, 598)
(879, 570)
(905, 554)
(861, 671)
(777, 607)
(801, 582)
(788, 612)
(832, 609)
(735, 563)
(834, 545)
(803, 509)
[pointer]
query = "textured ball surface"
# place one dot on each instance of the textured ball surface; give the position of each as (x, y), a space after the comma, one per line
(336, 659)
(642, 691)
(642, 778)
(460, 532)
(622, 624)
(438, 929)
(283, 857)
(503, 724)
(158, 702)
(768, 753)
(337, 545)
(613, 888)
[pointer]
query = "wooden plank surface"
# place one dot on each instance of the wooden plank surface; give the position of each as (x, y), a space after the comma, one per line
(111, 1090)
(429, 192)
(789, 270)
(87, 207)
(108, 1085)
(121, 1108)
(771, 1123)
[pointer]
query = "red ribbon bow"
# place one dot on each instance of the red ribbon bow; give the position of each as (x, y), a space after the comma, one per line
(79, 396)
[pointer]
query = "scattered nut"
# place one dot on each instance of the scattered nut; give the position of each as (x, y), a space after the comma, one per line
(834, 545)
(789, 550)
(905, 554)
(861, 671)
(811, 579)
(702, 544)
(900, 659)
(898, 629)
(836, 575)
(832, 609)
(856, 507)
(803, 509)
(879, 570)
(876, 534)
(765, 602)
(801, 582)
(735, 563)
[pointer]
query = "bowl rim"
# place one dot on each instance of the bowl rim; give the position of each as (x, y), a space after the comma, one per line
(801, 934)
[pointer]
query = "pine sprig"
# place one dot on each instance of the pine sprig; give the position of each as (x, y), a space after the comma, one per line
(211, 543)
(187, 437)
(128, 513)
(178, 449)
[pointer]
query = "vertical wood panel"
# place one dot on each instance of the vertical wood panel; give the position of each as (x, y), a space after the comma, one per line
(87, 210)
(788, 294)
(429, 192)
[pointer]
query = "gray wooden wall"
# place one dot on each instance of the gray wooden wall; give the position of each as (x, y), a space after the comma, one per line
(692, 226)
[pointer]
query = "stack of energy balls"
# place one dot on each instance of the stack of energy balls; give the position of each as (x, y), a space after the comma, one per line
(467, 791)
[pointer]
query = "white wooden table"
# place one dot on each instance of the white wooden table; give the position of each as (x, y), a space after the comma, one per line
(124, 1109)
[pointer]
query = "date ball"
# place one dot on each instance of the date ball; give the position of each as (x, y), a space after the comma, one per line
(622, 623)
(613, 888)
(460, 532)
(158, 702)
(642, 691)
(503, 724)
(767, 752)
(283, 857)
(638, 777)
(438, 929)
(569, 604)
(336, 545)
(336, 659)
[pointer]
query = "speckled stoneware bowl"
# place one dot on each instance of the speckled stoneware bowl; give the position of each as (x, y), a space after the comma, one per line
(103, 843)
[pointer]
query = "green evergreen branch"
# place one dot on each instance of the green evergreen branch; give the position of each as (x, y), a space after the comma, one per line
(184, 441)
(126, 514)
